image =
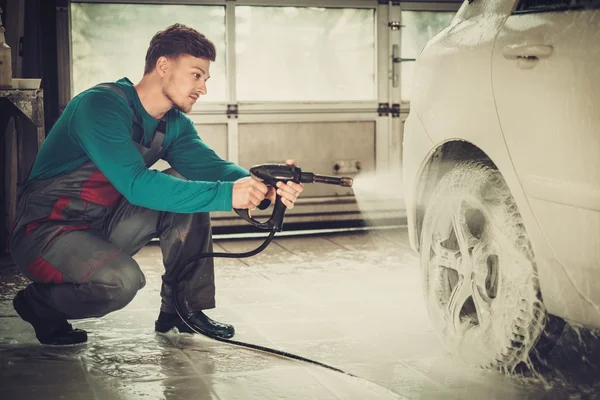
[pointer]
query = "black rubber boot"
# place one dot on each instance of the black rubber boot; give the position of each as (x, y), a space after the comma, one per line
(203, 324)
(198, 320)
(167, 321)
(55, 332)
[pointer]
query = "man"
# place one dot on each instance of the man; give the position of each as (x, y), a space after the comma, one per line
(91, 202)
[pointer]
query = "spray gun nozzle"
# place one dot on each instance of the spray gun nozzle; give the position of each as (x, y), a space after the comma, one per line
(346, 181)
(333, 180)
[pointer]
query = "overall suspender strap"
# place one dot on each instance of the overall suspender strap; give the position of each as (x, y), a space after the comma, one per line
(151, 152)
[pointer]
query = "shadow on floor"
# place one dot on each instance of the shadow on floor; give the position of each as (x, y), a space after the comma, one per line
(574, 364)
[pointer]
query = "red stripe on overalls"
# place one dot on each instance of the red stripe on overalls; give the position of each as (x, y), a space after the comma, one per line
(55, 215)
(42, 270)
(32, 226)
(58, 209)
(97, 189)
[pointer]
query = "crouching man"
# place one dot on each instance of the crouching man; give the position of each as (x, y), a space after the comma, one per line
(91, 202)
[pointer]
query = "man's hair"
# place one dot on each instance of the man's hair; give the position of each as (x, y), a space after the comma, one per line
(175, 41)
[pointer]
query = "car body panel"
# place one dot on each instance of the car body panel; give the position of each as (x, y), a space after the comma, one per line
(453, 99)
(548, 108)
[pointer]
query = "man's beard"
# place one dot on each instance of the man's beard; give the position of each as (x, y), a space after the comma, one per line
(183, 108)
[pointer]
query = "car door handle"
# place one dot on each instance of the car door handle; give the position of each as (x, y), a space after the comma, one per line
(529, 52)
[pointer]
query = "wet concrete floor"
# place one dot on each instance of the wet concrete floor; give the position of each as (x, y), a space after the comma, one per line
(351, 300)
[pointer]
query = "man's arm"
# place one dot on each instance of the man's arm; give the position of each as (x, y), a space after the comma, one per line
(101, 126)
(192, 158)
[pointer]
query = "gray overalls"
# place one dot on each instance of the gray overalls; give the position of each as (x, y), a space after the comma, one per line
(75, 236)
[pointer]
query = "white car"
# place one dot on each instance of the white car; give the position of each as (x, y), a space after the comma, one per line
(501, 165)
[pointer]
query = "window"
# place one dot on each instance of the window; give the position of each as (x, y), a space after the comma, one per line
(305, 54)
(109, 41)
(419, 28)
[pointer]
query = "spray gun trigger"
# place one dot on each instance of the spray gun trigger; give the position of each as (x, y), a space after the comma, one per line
(264, 204)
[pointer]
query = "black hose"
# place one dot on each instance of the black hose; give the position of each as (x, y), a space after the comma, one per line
(233, 255)
(235, 342)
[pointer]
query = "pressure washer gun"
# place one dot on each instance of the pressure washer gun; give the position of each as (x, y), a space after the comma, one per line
(270, 174)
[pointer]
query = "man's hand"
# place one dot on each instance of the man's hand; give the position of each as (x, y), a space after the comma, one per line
(248, 193)
(289, 192)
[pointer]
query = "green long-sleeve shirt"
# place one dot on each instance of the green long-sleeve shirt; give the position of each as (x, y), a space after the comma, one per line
(96, 126)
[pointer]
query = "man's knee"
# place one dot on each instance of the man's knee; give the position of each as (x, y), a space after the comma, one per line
(119, 283)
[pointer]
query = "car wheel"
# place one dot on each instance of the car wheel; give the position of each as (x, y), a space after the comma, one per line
(479, 273)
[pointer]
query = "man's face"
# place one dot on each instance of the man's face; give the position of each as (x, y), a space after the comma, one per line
(185, 80)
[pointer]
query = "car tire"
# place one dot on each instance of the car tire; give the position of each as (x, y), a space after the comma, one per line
(479, 273)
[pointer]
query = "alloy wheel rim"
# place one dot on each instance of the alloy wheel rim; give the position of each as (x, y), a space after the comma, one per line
(466, 265)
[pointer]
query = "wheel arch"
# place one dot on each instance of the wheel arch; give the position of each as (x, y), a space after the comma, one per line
(439, 161)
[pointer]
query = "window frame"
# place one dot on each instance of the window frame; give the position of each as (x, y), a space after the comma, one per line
(67, 87)
(220, 107)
